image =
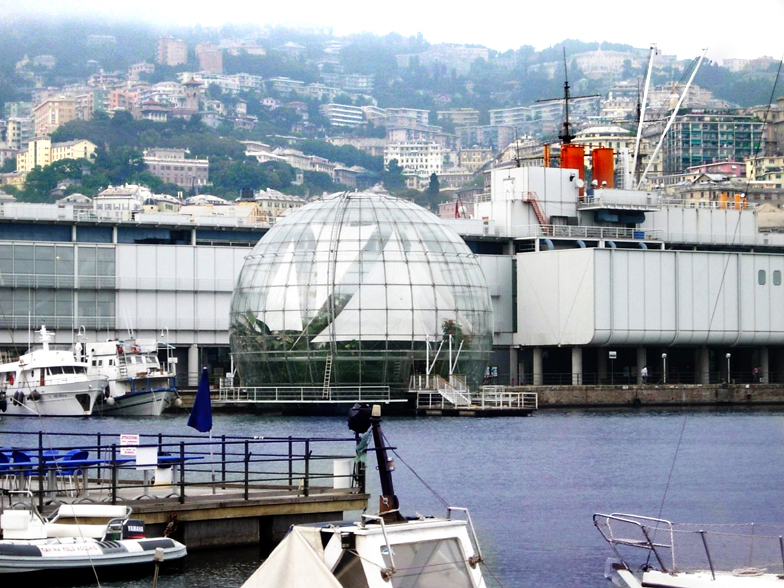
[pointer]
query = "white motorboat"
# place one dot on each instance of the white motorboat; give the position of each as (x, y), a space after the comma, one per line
(378, 551)
(685, 555)
(74, 539)
(48, 382)
(138, 384)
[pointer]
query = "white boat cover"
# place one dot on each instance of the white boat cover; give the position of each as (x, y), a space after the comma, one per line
(297, 562)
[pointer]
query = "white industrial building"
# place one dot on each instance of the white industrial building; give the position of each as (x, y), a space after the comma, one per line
(585, 288)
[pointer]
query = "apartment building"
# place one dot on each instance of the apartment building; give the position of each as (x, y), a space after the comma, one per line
(210, 58)
(474, 158)
(53, 112)
(172, 51)
(460, 117)
(19, 131)
(417, 158)
(514, 116)
(42, 152)
(172, 166)
(342, 115)
(766, 169)
(700, 137)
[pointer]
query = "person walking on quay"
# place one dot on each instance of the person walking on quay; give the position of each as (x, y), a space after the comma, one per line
(644, 374)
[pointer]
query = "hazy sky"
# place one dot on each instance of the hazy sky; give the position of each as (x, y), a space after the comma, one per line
(681, 27)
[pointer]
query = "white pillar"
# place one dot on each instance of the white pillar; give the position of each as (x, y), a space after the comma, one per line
(765, 365)
(538, 366)
(193, 365)
(577, 366)
(642, 361)
(704, 365)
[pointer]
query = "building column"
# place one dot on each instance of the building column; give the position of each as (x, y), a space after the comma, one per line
(538, 366)
(602, 367)
(704, 366)
(577, 366)
(765, 365)
(514, 379)
(193, 365)
(642, 361)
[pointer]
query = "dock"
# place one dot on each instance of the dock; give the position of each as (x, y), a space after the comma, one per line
(235, 491)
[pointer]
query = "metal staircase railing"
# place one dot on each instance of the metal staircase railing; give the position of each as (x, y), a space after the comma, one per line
(530, 198)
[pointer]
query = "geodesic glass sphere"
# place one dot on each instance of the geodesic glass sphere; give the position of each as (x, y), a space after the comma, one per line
(377, 283)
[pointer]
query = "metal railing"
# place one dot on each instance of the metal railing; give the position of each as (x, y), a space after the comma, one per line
(306, 394)
(737, 549)
(628, 377)
(186, 467)
(502, 397)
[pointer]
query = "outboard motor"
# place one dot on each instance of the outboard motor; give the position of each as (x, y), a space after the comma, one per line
(133, 529)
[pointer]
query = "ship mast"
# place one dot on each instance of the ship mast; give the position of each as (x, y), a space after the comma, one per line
(566, 136)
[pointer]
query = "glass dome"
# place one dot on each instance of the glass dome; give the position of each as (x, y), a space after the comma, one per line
(376, 283)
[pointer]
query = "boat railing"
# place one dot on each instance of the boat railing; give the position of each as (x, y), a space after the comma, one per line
(127, 468)
(738, 549)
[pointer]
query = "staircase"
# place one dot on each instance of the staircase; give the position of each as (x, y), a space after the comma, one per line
(327, 377)
(530, 198)
(455, 391)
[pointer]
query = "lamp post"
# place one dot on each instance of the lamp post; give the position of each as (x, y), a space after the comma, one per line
(728, 367)
(664, 367)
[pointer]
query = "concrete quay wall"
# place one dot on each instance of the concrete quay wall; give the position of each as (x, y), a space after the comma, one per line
(657, 395)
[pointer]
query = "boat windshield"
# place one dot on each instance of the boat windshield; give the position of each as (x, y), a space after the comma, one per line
(428, 564)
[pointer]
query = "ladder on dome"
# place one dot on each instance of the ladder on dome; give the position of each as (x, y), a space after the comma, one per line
(530, 198)
(327, 377)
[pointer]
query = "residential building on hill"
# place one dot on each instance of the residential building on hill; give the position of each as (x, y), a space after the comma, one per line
(210, 58)
(766, 169)
(700, 137)
(172, 166)
(460, 117)
(172, 51)
(53, 112)
(474, 158)
(419, 159)
(342, 115)
(42, 152)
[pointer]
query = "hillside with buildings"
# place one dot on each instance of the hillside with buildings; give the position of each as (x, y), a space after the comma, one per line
(240, 110)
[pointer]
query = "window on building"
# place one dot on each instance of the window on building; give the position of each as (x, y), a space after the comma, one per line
(761, 277)
(777, 278)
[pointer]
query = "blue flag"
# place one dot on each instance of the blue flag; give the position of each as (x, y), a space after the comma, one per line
(201, 413)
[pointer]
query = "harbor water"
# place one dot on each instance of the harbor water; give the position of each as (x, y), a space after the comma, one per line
(531, 484)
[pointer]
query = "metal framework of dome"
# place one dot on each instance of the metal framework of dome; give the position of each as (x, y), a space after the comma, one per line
(368, 280)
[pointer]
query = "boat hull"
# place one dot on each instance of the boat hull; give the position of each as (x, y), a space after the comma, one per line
(65, 399)
(657, 579)
(150, 402)
(47, 555)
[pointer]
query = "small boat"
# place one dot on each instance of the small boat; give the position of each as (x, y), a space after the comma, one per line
(686, 555)
(138, 385)
(47, 381)
(382, 550)
(78, 536)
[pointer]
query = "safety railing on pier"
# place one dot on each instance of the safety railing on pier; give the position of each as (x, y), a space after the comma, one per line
(433, 391)
(306, 394)
(67, 467)
(503, 397)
